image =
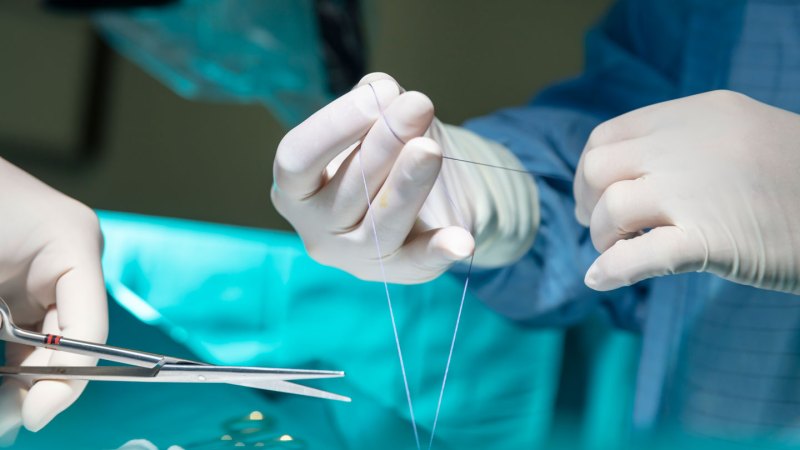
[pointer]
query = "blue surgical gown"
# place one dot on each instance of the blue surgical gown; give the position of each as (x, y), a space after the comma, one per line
(716, 355)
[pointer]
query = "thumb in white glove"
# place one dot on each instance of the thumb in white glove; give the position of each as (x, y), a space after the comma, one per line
(51, 278)
(425, 215)
(713, 177)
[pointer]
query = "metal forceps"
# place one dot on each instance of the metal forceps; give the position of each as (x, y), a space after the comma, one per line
(150, 367)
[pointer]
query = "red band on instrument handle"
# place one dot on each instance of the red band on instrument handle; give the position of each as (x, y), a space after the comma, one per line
(52, 339)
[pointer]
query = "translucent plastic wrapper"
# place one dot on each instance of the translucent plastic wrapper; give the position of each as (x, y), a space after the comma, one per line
(221, 50)
(243, 296)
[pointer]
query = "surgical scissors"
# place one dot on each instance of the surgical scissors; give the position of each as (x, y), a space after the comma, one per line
(151, 367)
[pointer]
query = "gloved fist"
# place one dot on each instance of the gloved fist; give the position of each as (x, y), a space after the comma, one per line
(382, 146)
(51, 278)
(713, 177)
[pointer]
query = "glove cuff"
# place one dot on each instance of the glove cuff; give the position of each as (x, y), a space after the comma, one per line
(499, 207)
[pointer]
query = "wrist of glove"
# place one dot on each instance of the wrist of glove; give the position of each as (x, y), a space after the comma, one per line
(501, 207)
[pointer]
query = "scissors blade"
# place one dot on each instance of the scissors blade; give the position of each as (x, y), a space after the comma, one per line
(237, 374)
(254, 377)
(293, 388)
(257, 377)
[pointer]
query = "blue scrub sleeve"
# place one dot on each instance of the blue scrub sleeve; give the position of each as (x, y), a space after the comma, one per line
(548, 135)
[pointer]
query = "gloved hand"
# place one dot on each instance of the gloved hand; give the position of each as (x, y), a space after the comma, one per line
(50, 276)
(426, 210)
(715, 178)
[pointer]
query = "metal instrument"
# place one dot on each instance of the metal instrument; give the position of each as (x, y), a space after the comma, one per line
(150, 367)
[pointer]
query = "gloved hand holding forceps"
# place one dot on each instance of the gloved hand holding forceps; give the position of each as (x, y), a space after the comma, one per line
(51, 277)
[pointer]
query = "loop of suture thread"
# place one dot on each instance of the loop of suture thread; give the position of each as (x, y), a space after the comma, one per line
(386, 283)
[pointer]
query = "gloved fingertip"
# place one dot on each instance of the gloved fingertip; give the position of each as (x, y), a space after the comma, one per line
(139, 444)
(591, 278)
(385, 90)
(416, 105)
(458, 244)
(596, 278)
(425, 146)
(426, 156)
(582, 218)
(36, 425)
(373, 77)
(45, 400)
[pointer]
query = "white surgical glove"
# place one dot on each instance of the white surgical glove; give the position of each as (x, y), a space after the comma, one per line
(715, 178)
(144, 444)
(50, 276)
(426, 210)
